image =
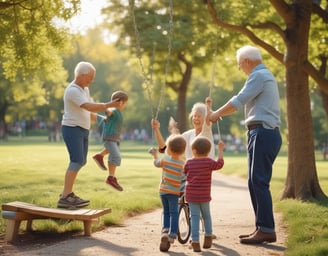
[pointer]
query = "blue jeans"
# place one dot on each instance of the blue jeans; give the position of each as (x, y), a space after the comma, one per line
(170, 213)
(196, 210)
(263, 148)
(77, 141)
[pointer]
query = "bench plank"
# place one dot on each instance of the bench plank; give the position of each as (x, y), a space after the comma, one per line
(15, 212)
(79, 214)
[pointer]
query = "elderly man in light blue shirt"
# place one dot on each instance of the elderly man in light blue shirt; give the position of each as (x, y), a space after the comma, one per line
(260, 99)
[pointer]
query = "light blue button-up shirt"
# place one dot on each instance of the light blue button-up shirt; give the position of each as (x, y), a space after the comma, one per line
(260, 98)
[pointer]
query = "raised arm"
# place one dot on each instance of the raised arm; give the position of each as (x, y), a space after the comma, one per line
(156, 126)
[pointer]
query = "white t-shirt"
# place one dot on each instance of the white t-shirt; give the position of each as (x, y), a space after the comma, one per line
(190, 135)
(74, 115)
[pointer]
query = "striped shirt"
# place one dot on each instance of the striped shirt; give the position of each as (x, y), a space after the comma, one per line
(172, 173)
(199, 178)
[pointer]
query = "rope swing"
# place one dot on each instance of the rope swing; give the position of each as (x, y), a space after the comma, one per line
(213, 83)
(148, 82)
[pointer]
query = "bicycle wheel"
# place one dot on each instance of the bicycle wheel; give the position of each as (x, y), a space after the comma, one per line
(184, 224)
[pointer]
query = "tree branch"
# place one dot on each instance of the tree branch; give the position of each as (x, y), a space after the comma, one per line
(5, 5)
(271, 26)
(284, 10)
(243, 30)
(323, 14)
(318, 77)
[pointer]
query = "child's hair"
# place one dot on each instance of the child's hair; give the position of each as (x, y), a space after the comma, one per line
(202, 145)
(177, 144)
(120, 95)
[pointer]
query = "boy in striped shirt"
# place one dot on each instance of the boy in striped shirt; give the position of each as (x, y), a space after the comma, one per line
(172, 173)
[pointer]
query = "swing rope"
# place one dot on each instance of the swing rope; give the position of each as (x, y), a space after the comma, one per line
(213, 82)
(148, 81)
(168, 57)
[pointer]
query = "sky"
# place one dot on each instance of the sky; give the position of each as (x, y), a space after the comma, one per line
(89, 16)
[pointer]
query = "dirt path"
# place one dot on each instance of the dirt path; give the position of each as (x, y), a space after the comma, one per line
(140, 235)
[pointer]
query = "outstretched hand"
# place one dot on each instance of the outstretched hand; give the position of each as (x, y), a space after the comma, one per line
(208, 102)
(153, 152)
(155, 123)
(173, 126)
(220, 145)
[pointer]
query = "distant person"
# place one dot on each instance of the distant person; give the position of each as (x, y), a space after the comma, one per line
(198, 171)
(325, 152)
(112, 127)
(78, 108)
(172, 174)
(260, 99)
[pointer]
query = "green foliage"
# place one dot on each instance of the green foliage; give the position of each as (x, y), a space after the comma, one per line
(31, 55)
(30, 40)
(194, 36)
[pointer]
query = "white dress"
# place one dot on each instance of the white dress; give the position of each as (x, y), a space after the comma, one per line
(190, 135)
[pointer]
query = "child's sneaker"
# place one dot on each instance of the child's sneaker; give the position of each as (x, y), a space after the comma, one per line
(165, 244)
(112, 181)
(99, 159)
(196, 246)
(207, 241)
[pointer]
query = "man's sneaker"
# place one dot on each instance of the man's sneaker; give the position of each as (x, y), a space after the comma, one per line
(112, 181)
(71, 201)
(99, 159)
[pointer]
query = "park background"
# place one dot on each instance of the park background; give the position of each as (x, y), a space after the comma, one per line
(40, 49)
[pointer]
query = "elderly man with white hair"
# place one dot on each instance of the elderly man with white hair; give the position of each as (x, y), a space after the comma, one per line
(78, 112)
(259, 98)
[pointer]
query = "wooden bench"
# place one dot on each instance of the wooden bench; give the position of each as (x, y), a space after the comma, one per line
(15, 212)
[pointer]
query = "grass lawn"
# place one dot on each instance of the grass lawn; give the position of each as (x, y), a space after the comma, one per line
(32, 170)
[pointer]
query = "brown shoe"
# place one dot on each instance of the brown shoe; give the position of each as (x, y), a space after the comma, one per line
(99, 159)
(112, 181)
(259, 237)
(165, 244)
(196, 246)
(207, 241)
(244, 236)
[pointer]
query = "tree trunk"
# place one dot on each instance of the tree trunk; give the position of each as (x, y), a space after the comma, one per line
(3, 125)
(302, 181)
(182, 93)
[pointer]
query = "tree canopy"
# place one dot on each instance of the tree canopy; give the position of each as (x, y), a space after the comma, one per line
(31, 52)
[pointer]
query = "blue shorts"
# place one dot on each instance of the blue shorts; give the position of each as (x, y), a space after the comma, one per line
(77, 141)
(114, 156)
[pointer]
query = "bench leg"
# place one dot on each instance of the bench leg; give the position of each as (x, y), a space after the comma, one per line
(29, 225)
(87, 227)
(12, 229)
